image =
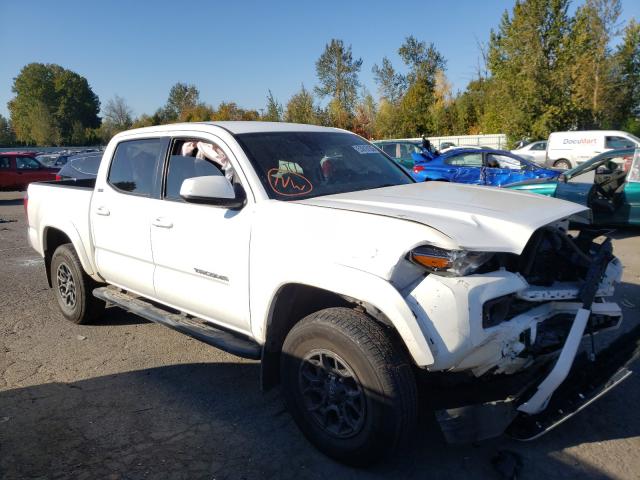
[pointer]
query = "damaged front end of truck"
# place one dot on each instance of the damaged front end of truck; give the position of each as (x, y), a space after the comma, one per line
(521, 356)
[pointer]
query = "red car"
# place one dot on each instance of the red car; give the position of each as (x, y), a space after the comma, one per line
(19, 169)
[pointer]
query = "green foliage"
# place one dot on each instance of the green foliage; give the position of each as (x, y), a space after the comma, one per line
(300, 108)
(626, 66)
(182, 97)
(391, 85)
(7, 136)
(48, 102)
(337, 72)
(274, 111)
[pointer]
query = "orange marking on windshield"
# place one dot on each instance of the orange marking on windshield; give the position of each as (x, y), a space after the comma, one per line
(288, 183)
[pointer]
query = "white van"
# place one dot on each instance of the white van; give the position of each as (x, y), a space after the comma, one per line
(569, 149)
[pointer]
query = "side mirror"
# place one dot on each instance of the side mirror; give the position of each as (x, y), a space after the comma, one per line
(213, 190)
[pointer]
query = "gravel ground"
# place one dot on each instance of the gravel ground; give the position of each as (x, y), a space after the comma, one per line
(127, 399)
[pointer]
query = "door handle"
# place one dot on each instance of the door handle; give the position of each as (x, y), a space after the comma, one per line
(162, 223)
(104, 211)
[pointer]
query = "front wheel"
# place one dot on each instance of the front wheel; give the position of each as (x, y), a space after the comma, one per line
(73, 287)
(348, 385)
(562, 164)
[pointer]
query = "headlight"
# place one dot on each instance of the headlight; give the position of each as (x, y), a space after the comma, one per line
(453, 263)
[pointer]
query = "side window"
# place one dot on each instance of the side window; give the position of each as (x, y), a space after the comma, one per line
(618, 142)
(467, 160)
(27, 163)
(134, 165)
(502, 161)
(389, 149)
(194, 158)
(5, 162)
(539, 146)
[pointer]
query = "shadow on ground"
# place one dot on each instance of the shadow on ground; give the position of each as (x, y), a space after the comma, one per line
(211, 421)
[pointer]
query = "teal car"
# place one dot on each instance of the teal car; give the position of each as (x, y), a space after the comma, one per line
(609, 184)
(400, 150)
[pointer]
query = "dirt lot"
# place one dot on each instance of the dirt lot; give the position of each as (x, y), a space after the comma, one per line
(127, 399)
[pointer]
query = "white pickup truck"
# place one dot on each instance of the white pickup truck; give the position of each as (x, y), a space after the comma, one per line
(310, 249)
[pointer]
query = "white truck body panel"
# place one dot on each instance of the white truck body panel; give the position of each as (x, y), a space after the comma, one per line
(227, 267)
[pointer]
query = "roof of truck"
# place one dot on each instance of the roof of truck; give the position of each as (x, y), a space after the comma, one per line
(239, 127)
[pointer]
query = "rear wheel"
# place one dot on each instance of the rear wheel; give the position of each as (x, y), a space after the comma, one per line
(562, 163)
(73, 287)
(348, 384)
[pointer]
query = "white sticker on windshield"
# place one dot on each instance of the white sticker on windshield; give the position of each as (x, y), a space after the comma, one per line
(364, 149)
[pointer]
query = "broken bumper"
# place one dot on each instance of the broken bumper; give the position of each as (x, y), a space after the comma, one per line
(587, 381)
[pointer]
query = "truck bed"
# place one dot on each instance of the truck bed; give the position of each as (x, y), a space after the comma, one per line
(63, 205)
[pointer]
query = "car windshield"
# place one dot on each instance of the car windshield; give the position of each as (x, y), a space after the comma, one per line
(296, 165)
(598, 161)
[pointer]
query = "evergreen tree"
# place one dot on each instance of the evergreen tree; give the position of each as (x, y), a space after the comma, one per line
(274, 109)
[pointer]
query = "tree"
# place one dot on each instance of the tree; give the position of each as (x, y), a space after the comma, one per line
(391, 85)
(182, 97)
(365, 116)
(61, 96)
(595, 24)
(300, 108)
(337, 72)
(274, 109)
(626, 78)
(118, 114)
(424, 62)
(7, 137)
(530, 88)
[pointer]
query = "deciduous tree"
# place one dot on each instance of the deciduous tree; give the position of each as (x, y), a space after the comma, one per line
(49, 100)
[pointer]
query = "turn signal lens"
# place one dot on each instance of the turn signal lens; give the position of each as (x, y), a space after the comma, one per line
(448, 262)
(438, 263)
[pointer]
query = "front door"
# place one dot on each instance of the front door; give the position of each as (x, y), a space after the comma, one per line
(121, 214)
(201, 252)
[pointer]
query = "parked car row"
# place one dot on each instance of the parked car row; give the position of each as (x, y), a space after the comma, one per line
(19, 169)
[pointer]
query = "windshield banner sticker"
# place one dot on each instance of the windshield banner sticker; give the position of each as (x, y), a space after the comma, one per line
(364, 149)
(290, 184)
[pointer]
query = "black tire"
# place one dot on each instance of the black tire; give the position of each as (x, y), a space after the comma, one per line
(562, 163)
(73, 288)
(367, 376)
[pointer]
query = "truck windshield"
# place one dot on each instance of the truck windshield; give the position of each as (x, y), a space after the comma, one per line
(296, 165)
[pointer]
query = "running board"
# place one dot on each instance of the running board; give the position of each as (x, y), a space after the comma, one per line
(231, 342)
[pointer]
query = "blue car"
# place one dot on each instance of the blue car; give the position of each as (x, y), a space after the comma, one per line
(479, 166)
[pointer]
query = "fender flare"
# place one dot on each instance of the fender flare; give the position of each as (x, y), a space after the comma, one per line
(70, 231)
(363, 287)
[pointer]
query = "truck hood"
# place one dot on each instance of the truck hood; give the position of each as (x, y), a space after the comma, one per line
(473, 217)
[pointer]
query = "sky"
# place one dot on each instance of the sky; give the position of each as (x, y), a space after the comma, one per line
(234, 51)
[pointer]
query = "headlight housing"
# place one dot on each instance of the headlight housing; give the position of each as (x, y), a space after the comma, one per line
(450, 263)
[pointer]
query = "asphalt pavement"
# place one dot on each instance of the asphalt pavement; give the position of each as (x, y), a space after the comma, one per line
(128, 399)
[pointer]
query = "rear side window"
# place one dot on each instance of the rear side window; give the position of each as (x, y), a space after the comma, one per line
(467, 160)
(619, 142)
(134, 166)
(27, 163)
(5, 162)
(87, 165)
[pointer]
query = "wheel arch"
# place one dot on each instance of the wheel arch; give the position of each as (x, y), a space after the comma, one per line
(52, 238)
(295, 300)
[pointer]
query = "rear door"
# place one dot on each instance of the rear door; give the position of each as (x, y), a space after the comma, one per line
(502, 169)
(31, 170)
(464, 168)
(201, 252)
(122, 211)
(8, 177)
